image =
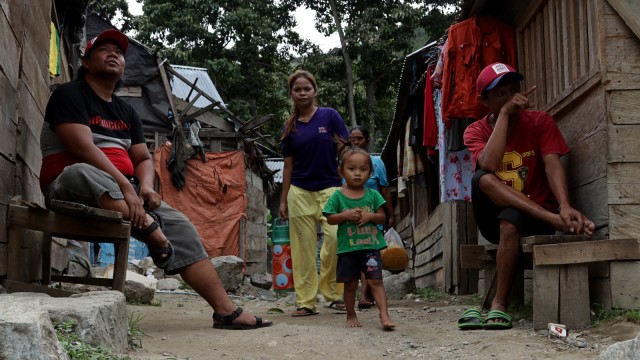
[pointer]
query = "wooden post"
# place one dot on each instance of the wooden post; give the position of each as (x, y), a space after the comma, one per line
(470, 276)
(167, 88)
(447, 239)
(545, 295)
(574, 296)
(13, 261)
(46, 257)
(121, 247)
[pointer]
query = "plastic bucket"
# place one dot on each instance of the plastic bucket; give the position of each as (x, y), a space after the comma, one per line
(281, 267)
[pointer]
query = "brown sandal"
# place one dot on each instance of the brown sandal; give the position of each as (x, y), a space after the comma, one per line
(226, 321)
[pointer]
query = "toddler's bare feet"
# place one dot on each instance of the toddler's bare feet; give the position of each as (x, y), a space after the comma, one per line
(352, 321)
(386, 322)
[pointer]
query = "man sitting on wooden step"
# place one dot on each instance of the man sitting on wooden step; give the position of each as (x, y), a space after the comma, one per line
(520, 187)
(94, 153)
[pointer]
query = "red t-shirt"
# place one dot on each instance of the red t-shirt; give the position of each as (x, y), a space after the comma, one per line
(534, 136)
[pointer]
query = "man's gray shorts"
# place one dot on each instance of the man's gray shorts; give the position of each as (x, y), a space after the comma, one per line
(85, 184)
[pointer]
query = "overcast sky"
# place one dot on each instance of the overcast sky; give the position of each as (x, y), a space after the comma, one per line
(304, 17)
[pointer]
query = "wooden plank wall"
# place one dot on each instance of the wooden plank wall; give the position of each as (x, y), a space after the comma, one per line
(621, 78)
(24, 90)
(256, 226)
(428, 269)
(558, 51)
(592, 87)
(436, 237)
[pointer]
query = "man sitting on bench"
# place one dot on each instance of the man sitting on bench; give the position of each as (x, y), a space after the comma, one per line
(94, 153)
(519, 187)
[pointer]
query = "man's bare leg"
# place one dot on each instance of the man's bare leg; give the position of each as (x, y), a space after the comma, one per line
(155, 239)
(507, 262)
(505, 196)
(201, 276)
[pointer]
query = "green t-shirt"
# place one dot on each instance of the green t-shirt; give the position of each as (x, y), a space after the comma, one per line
(352, 237)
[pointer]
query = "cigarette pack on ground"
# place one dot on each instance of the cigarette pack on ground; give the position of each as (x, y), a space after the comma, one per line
(558, 330)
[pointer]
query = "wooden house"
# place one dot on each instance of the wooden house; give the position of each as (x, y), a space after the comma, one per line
(583, 56)
(24, 90)
(31, 31)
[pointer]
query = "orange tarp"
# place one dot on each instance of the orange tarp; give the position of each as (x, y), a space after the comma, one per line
(214, 197)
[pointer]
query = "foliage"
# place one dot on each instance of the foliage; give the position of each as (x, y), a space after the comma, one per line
(185, 286)
(269, 228)
(604, 317)
(77, 348)
(134, 334)
(472, 300)
(114, 9)
(429, 294)
(378, 39)
(246, 46)
(519, 311)
(249, 48)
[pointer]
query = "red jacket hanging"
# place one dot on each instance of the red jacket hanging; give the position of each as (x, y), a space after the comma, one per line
(430, 132)
(472, 44)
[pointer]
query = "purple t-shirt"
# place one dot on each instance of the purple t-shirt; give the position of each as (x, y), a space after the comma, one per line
(315, 165)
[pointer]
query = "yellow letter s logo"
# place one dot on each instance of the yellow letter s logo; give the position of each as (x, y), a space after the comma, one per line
(508, 170)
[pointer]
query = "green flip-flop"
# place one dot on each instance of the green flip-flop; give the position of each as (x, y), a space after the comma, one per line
(471, 320)
(506, 322)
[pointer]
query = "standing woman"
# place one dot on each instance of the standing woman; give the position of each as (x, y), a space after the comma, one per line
(310, 177)
(359, 136)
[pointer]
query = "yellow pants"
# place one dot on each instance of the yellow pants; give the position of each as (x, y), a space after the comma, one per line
(305, 211)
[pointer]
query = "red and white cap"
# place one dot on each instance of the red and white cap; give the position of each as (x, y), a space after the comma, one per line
(111, 34)
(491, 75)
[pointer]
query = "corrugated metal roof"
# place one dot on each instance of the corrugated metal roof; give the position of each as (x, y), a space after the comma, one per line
(276, 165)
(180, 89)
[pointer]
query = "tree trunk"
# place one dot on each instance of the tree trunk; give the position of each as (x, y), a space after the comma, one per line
(371, 121)
(347, 62)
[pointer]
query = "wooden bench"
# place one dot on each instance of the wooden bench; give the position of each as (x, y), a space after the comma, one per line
(70, 221)
(560, 273)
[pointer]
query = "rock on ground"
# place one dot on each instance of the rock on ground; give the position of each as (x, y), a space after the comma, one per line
(229, 270)
(26, 323)
(625, 350)
(26, 331)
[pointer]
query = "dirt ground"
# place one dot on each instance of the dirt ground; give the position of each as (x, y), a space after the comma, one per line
(181, 329)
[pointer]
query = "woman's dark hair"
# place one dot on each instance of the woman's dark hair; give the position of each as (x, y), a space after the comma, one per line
(347, 149)
(364, 131)
(290, 124)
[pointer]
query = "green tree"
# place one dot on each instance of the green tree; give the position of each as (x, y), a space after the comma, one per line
(117, 10)
(246, 46)
(374, 42)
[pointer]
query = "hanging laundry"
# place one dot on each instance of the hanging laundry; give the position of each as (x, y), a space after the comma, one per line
(436, 77)
(430, 128)
(456, 167)
(54, 52)
(412, 164)
(471, 45)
